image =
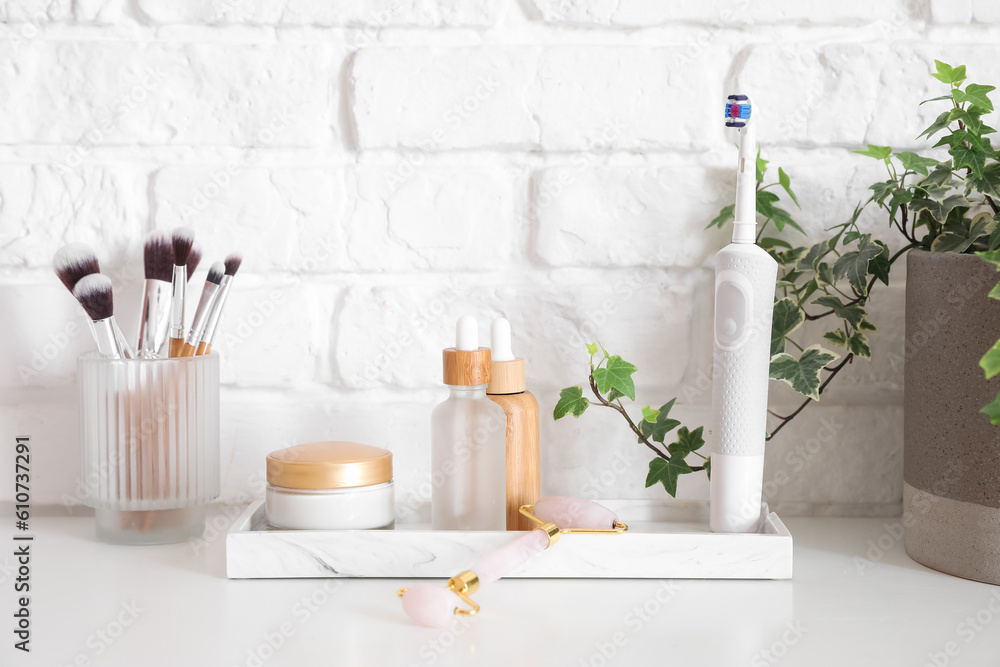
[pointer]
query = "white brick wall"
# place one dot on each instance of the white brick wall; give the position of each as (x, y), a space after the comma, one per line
(386, 166)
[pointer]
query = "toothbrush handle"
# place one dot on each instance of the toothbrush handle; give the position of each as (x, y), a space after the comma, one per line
(744, 299)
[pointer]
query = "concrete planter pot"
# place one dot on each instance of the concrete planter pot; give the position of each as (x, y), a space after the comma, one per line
(951, 454)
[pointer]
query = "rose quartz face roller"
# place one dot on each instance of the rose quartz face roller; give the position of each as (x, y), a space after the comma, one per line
(436, 607)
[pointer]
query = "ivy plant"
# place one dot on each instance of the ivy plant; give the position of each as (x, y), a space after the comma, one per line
(949, 205)
(610, 381)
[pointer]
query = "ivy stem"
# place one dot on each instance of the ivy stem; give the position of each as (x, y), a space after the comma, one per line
(761, 232)
(617, 407)
(620, 409)
(833, 372)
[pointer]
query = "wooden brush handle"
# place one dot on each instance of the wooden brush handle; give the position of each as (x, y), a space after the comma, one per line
(176, 347)
(203, 348)
(188, 350)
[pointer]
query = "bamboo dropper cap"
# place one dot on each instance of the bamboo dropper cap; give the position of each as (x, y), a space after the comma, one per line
(506, 370)
(466, 364)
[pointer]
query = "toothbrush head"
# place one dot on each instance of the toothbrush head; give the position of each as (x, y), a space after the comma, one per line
(738, 111)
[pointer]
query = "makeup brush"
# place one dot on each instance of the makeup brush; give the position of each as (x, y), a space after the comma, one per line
(182, 241)
(75, 261)
(93, 291)
(154, 322)
(194, 259)
(232, 264)
(204, 310)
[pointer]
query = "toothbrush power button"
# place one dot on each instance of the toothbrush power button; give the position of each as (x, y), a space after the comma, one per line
(731, 313)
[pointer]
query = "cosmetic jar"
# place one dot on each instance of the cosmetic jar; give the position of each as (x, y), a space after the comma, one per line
(330, 486)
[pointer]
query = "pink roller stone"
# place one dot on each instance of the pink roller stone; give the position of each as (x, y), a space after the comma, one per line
(568, 512)
(506, 559)
(435, 607)
(429, 605)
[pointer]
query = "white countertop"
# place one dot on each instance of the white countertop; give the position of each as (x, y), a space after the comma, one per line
(171, 605)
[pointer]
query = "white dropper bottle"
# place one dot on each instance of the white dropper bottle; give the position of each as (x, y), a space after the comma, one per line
(468, 446)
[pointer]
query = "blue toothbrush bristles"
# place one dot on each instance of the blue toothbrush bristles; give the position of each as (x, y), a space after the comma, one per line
(737, 110)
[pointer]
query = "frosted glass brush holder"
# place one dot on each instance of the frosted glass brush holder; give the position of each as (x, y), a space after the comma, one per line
(149, 433)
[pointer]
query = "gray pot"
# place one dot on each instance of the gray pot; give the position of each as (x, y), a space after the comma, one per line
(951, 454)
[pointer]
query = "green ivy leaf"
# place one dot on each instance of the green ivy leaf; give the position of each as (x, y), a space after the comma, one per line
(992, 256)
(708, 468)
(666, 473)
(786, 183)
(951, 241)
(664, 424)
(915, 163)
(939, 182)
(824, 274)
(766, 207)
(940, 123)
(990, 362)
(802, 374)
(948, 74)
(726, 214)
(785, 318)
(761, 166)
(976, 95)
(687, 442)
(858, 346)
(866, 325)
(650, 414)
(994, 241)
(899, 198)
(993, 411)
(592, 348)
(837, 337)
(854, 265)
(939, 210)
(853, 313)
(571, 402)
(614, 395)
(879, 264)
(969, 157)
(881, 190)
(617, 374)
(937, 99)
(816, 252)
(792, 257)
(767, 243)
(877, 152)
(808, 289)
(988, 185)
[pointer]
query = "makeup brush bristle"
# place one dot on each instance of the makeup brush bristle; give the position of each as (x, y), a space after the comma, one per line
(94, 294)
(215, 272)
(194, 259)
(233, 262)
(74, 261)
(182, 239)
(158, 257)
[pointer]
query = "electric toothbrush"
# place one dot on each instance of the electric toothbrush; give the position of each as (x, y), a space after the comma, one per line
(745, 277)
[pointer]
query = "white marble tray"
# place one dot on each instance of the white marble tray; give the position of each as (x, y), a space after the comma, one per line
(663, 542)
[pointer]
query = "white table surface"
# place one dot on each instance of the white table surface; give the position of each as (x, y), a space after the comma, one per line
(838, 610)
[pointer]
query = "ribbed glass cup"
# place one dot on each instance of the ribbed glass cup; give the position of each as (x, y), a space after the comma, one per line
(149, 432)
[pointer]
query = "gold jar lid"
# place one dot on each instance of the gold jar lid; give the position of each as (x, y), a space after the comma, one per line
(329, 465)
